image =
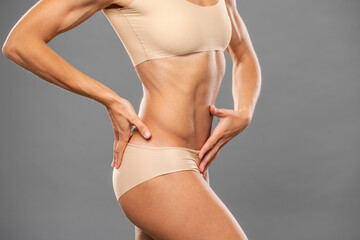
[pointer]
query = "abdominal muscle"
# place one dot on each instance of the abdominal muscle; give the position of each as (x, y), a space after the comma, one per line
(178, 92)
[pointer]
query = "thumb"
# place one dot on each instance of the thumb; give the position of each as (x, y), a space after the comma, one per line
(219, 112)
(143, 129)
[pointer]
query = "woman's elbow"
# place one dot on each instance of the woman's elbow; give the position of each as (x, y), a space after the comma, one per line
(6, 51)
(10, 48)
(16, 48)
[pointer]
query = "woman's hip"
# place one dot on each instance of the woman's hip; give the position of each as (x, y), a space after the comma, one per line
(141, 163)
(162, 192)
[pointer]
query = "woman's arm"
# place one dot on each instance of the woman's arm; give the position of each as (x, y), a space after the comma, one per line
(26, 45)
(246, 82)
(246, 72)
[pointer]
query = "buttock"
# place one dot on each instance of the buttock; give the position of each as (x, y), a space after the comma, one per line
(141, 163)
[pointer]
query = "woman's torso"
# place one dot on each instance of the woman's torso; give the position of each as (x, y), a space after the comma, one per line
(178, 90)
(177, 94)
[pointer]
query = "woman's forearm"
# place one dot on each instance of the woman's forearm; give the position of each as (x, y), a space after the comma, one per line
(41, 60)
(246, 83)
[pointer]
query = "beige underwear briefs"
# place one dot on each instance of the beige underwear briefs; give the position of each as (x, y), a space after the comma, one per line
(141, 163)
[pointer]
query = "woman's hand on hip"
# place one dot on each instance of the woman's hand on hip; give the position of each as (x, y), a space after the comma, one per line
(123, 116)
(230, 124)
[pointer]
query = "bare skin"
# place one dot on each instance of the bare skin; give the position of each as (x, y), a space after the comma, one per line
(177, 109)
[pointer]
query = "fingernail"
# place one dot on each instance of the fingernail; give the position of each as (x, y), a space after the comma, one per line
(147, 134)
(112, 164)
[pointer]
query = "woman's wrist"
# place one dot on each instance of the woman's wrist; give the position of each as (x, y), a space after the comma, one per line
(245, 112)
(112, 99)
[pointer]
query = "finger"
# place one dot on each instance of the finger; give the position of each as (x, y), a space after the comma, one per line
(219, 112)
(210, 142)
(206, 176)
(116, 140)
(119, 153)
(116, 150)
(116, 143)
(208, 145)
(209, 156)
(143, 129)
(114, 155)
(207, 160)
(221, 145)
(211, 160)
(116, 147)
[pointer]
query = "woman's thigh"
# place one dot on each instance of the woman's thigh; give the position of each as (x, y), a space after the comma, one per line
(180, 205)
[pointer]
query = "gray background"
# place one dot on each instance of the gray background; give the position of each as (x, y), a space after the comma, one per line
(292, 174)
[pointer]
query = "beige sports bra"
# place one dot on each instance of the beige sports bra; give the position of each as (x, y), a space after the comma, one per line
(152, 29)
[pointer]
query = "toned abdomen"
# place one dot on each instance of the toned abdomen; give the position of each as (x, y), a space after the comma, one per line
(177, 95)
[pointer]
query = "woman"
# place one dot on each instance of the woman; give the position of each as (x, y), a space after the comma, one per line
(177, 48)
